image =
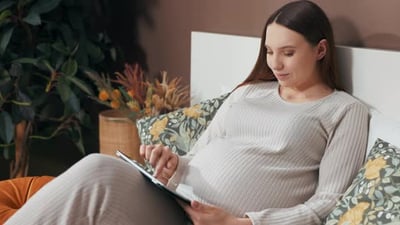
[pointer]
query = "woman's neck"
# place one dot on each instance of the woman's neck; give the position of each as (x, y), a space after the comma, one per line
(312, 93)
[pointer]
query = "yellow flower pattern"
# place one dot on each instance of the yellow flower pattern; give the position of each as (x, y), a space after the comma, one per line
(355, 215)
(373, 167)
(193, 112)
(158, 127)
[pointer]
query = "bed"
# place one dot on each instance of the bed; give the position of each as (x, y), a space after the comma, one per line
(220, 61)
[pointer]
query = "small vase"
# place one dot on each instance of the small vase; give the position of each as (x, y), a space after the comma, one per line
(118, 132)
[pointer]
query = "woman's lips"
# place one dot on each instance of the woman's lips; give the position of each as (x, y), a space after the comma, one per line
(281, 75)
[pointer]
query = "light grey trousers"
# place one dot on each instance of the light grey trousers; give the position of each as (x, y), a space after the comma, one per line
(99, 189)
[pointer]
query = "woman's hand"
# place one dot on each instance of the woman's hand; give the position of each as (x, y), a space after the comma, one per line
(162, 159)
(202, 214)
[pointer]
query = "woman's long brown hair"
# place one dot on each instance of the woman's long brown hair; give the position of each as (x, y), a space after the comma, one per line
(309, 20)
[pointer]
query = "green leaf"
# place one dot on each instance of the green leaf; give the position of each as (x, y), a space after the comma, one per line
(58, 60)
(85, 119)
(44, 47)
(94, 52)
(5, 17)
(44, 50)
(5, 39)
(5, 4)
(7, 127)
(46, 65)
(76, 136)
(63, 89)
(60, 47)
(81, 84)
(32, 61)
(72, 105)
(68, 37)
(71, 101)
(82, 56)
(33, 19)
(6, 83)
(44, 6)
(70, 67)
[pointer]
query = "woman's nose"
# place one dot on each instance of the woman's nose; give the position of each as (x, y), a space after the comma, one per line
(275, 63)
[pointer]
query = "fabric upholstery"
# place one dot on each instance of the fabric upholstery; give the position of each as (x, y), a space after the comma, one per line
(15, 192)
(179, 129)
(373, 197)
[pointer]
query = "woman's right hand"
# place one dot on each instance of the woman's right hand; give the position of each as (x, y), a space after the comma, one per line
(162, 159)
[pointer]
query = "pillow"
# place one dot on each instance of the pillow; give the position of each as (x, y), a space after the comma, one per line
(374, 195)
(15, 192)
(380, 126)
(179, 129)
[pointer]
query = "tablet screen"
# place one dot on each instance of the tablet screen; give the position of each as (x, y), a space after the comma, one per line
(153, 180)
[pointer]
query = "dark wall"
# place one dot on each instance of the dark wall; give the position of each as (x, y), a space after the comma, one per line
(366, 23)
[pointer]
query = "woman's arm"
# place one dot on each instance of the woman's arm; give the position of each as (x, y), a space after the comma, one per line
(343, 157)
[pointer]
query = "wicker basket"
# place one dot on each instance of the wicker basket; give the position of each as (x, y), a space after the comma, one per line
(118, 132)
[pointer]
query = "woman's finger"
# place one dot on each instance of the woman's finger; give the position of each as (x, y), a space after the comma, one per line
(155, 155)
(148, 151)
(171, 165)
(162, 161)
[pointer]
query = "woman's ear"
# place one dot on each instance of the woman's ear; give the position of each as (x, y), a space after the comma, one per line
(322, 48)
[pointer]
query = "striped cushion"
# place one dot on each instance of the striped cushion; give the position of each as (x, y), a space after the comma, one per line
(15, 192)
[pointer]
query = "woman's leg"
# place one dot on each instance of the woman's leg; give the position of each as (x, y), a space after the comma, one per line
(99, 189)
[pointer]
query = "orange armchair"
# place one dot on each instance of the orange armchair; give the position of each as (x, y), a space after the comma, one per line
(15, 192)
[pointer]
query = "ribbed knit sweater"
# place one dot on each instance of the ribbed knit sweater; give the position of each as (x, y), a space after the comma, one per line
(274, 161)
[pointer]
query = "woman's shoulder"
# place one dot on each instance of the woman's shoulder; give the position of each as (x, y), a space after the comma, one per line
(343, 96)
(347, 100)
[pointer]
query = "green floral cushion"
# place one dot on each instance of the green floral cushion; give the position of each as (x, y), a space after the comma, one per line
(179, 129)
(374, 196)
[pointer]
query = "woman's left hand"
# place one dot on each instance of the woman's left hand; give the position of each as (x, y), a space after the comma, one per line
(202, 214)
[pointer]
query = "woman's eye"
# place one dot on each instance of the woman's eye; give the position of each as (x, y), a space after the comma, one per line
(288, 53)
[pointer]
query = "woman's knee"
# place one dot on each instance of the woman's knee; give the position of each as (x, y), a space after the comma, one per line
(97, 164)
(97, 160)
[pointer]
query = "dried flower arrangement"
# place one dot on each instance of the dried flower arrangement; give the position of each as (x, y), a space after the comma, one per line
(132, 93)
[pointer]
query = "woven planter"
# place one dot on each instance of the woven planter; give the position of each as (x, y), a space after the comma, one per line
(118, 132)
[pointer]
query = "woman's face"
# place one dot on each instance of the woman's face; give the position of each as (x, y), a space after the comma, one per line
(291, 58)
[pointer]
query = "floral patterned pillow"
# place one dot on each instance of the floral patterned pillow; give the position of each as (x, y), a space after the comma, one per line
(179, 129)
(374, 196)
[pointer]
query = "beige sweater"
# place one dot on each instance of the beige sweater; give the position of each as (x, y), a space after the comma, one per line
(274, 161)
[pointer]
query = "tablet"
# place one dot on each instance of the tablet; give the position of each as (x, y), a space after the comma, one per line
(152, 179)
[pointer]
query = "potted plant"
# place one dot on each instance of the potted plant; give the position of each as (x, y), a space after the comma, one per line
(130, 96)
(45, 45)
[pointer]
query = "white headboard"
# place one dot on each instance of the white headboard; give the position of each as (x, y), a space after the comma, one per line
(219, 62)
